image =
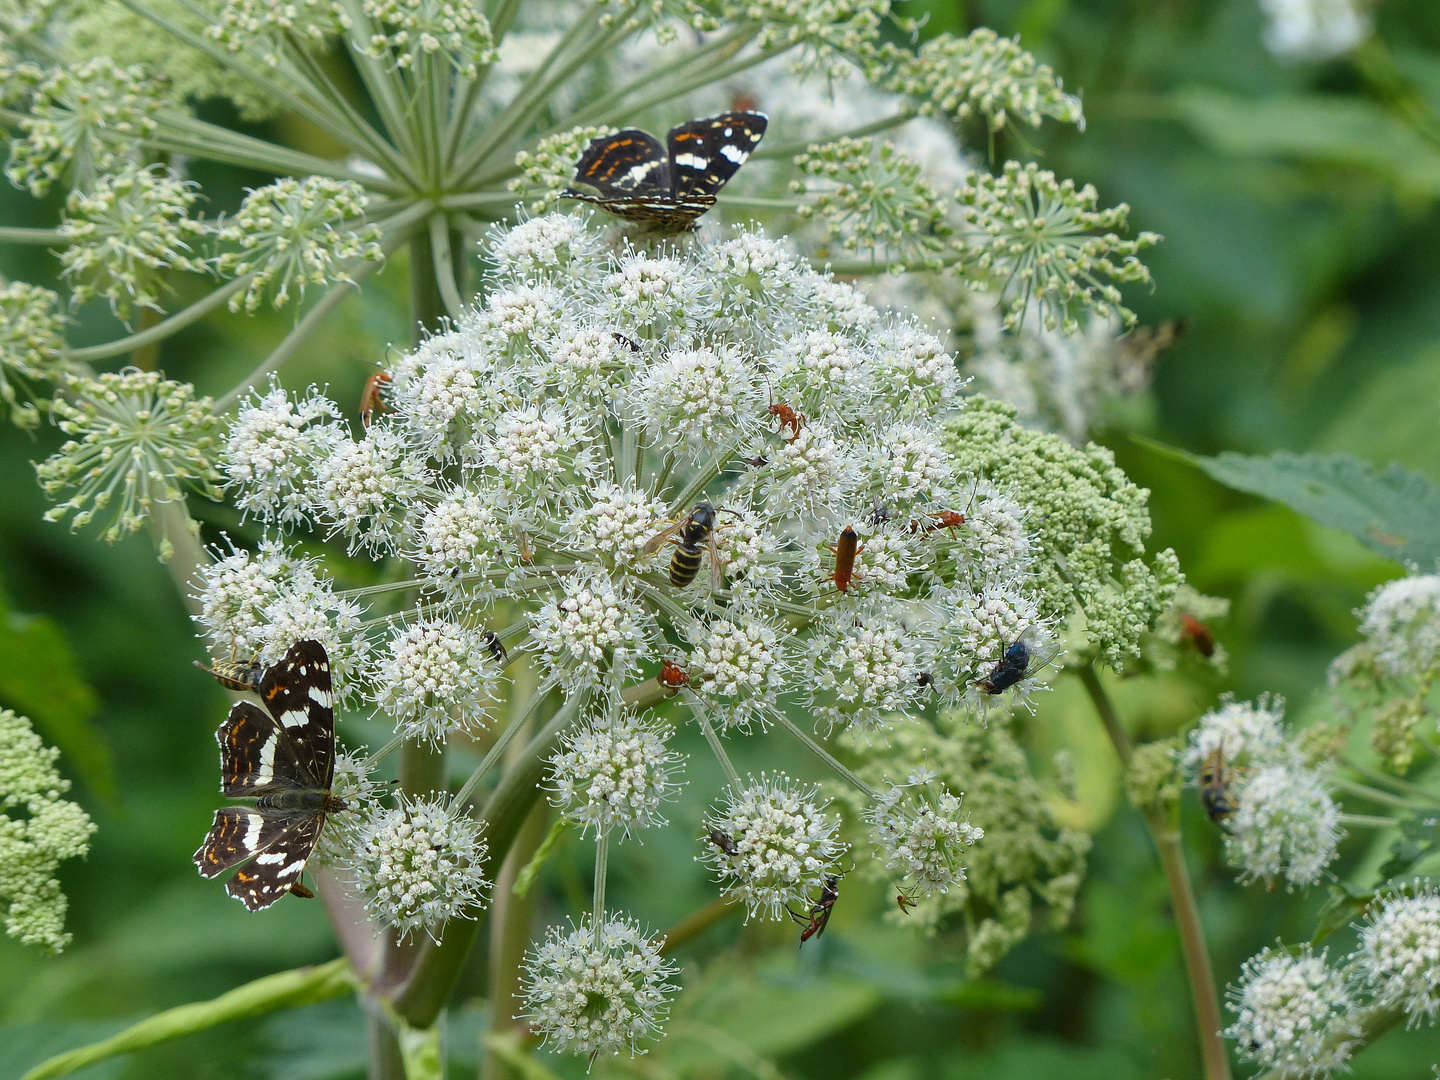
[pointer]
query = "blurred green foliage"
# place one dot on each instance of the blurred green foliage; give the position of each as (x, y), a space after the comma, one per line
(1300, 216)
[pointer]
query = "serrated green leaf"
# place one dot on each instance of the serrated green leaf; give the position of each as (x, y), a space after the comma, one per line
(1394, 512)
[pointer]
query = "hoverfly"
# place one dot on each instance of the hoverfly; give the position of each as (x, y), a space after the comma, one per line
(235, 675)
(691, 534)
(819, 914)
(370, 400)
(1021, 659)
(1213, 781)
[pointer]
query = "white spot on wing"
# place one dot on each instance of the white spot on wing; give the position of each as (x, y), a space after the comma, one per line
(731, 152)
(252, 832)
(321, 697)
(271, 857)
(693, 161)
(265, 772)
(293, 869)
(294, 718)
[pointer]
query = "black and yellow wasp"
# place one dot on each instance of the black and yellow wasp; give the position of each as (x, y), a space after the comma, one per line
(692, 535)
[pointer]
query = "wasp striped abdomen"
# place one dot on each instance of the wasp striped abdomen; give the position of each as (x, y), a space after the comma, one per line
(690, 545)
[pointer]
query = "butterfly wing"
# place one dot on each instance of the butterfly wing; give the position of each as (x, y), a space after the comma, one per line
(706, 153)
(298, 694)
(630, 164)
(277, 869)
(256, 757)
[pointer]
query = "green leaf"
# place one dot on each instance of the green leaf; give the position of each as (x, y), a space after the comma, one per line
(1349, 131)
(40, 677)
(287, 990)
(1344, 906)
(1395, 513)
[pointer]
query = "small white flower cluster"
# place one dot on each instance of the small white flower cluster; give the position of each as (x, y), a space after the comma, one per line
(1284, 821)
(598, 988)
(455, 28)
(613, 777)
(419, 864)
(1401, 624)
(436, 676)
(1294, 1013)
(773, 843)
(917, 830)
(1314, 29)
(1303, 1016)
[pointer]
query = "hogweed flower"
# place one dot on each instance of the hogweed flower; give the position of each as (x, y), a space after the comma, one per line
(436, 676)
(1399, 953)
(38, 831)
(917, 830)
(986, 74)
(258, 28)
(1401, 625)
(125, 233)
(1294, 1013)
(1041, 237)
(295, 233)
(419, 864)
(1285, 823)
(613, 777)
(455, 28)
(781, 844)
(275, 446)
(137, 440)
(1247, 733)
(31, 338)
(600, 988)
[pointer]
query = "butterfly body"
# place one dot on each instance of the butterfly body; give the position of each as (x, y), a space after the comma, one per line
(283, 757)
(631, 175)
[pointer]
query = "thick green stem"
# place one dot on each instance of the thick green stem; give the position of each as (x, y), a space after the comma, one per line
(1163, 823)
(386, 1060)
(511, 919)
(432, 978)
(181, 549)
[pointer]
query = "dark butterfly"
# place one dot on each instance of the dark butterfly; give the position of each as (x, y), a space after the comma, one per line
(634, 177)
(285, 762)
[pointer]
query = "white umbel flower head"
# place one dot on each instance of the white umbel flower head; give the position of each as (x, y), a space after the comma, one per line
(1285, 823)
(1399, 954)
(418, 865)
(276, 443)
(592, 623)
(784, 844)
(918, 831)
(1247, 732)
(1401, 620)
(1313, 29)
(738, 667)
(866, 667)
(597, 989)
(436, 675)
(614, 776)
(1294, 1014)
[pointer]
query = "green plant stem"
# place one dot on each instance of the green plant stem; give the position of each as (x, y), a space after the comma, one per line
(696, 923)
(1164, 828)
(439, 964)
(444, 264)
(171, 521)
(178, 321)
(718, 748)
(828, 758)
(287, 990)
(386, 1062)
(1365, 791)
(12, 234)
(511, 916)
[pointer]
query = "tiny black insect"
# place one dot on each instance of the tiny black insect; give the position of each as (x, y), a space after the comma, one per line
(629, 174)
(724, 841)
(494, 646)
(285, 761)
(621, 339)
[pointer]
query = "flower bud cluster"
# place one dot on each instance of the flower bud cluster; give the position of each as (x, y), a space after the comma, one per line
(294, 233)
(31, 337)
(407, 29)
